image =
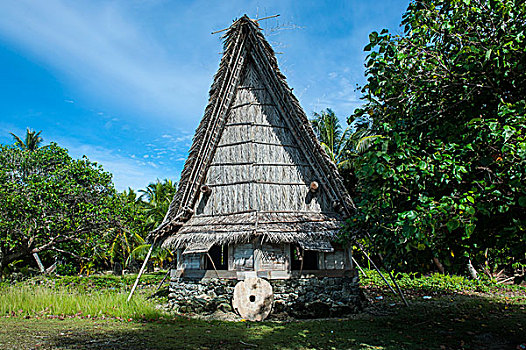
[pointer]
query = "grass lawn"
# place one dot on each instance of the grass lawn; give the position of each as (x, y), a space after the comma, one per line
(457, 316)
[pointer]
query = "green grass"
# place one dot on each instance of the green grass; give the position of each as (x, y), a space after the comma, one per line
(460, 314)
(441, 324)
(440, 283)
(76, 297)
(104, 281)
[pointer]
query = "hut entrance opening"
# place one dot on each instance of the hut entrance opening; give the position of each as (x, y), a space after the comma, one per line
(308, 257)
(219, 256)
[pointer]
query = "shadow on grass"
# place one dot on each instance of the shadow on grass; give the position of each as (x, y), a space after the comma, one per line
(446, 322)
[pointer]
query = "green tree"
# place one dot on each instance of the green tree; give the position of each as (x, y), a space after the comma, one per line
(343, 147)
(50, 202)
(156, 200)
(333, 139)
(32, 141)
(447, 179)
(142, 214)
(159, 254)
(124, 239)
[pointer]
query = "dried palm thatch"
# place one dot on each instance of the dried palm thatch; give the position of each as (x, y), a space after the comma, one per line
(253, 159)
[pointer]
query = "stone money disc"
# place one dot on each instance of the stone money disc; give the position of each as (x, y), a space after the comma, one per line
(253, 299)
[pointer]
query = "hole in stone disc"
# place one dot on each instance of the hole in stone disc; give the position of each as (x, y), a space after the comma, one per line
(252, 298)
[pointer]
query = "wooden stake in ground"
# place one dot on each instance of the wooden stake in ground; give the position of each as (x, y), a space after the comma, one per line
(162, 281)
(390, 275)
(359, 267)
(375, 267)
(398, 287)
(394, 281)
(141, 271)
(39, 263)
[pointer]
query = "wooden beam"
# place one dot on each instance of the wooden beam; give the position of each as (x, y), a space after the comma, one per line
(140, 272)
(359, 267)
(375, 267)
(39, 263)
(261, 19)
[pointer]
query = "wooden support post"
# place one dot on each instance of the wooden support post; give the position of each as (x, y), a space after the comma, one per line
(39, 263)
(359, 267)
(213, 265)
(390, 275)
(162, 281)
(375, 267)
(398, 288)
(302, 258)
(394, 281)
(141, 271)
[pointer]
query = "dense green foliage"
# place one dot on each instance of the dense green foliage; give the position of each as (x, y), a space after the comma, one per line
(48, 201)
(448, 177)
(68, 211)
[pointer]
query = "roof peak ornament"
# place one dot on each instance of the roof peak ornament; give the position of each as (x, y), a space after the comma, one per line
(246, 18)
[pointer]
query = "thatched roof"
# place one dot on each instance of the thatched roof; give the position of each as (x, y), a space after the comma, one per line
(257, 154)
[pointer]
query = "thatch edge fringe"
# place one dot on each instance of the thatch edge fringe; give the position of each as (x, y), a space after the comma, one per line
(181, 241)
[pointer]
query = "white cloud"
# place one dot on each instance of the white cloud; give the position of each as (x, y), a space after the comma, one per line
(103, 48)
(342, 96)
(127, 170)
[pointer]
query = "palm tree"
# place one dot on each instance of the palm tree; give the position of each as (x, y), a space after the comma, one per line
(122, 243)
(157, 198)
(343, 146)
(333, 139)
(32, 141)
(361, 140)
(159, 254)
(153, 203)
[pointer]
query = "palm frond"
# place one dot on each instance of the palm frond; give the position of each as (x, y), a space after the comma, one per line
(139, 253)
(18, 141)
(365, 142)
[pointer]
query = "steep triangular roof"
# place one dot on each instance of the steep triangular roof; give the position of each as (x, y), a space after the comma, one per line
(253, 143)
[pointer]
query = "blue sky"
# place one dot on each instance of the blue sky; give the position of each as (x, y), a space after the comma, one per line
(125, 82)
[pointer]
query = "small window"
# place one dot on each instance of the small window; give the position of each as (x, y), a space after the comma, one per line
(219, 256)
(309, 258)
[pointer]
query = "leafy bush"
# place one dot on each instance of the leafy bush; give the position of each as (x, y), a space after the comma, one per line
(438, 283)
(447, 181)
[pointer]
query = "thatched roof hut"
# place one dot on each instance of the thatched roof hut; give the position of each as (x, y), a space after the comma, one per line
(255, 172)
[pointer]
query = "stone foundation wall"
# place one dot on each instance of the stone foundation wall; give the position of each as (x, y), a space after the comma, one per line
(315, 297)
